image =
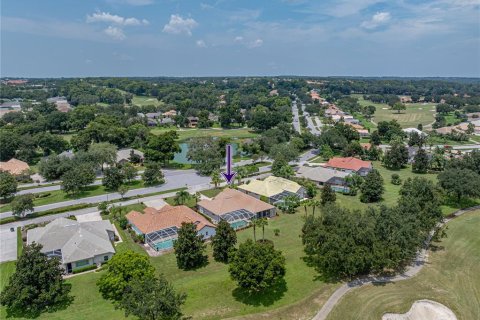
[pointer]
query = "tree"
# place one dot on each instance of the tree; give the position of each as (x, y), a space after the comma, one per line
(289, 203)
(22, 204)
(326, 152)
(8, 184)
(9, 143)
(399, 107)
(190, 248)
(181, 197)
(311, 189)
(223, 241)
(152, 299)
(77, 178)
(162, 148)
(206, 153)
(420, 162)
(121, 270)
(375, 138)
(470, 128)
(36, 285)
(354, 182)
(397, 156)
(122, 190)
(129, 172)
(103, 153)
(113, 178)
(153, 174)
(372, 187)
(460, 182)
(256, 266)
(281, 168)
(328, 195)
(216, 178)
(261, 223)
(396, 179)
(54, 166)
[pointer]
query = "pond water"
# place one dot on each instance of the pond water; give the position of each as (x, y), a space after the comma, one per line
(181, 157)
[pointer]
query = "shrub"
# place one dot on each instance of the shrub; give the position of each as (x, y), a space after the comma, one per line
(123, 222)
(396, 179)
(276, 232)
(86, 268)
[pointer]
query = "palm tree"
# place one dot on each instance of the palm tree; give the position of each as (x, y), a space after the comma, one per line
(181, 197)
(262, 222)
(254, 223)
(216, 178)
(241, 173)
(306, 203)
(314, 204)
(197, 197)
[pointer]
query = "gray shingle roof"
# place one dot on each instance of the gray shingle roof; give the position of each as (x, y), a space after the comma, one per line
(124, 154)
(320, 174)
(77, 240)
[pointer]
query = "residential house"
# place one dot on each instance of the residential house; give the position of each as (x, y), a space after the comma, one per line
(67, 154)
(167, 121)
(61, 103)
(363, 133)
(405, 99)
(272, 189)
(9, 106)
(125, 155)
(235, 207)
(170, 114)
(154, 115)
(15, 167)
(160, 226)
(366, 145)
(192, 122)
(76, 244)
(325, 176)
(350, 164)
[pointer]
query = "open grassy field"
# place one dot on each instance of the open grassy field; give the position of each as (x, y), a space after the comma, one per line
(145, 101)
(416, 113)
(185, 134)
(211, 292)
(451, 277)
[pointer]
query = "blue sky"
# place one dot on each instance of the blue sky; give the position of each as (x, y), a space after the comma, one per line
(224, 37)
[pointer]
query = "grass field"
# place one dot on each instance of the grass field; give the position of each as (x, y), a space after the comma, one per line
(451, 277)
(185, 134)
(145, 101)
(416, 113)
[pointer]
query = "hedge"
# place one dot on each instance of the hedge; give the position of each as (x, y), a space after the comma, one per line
(83, 269)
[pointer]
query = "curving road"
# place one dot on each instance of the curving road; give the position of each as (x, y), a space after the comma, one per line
(411, 271)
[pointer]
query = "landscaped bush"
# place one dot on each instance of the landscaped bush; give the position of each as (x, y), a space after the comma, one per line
(396, 179)
(83, 269)
(123, 222)
(276, 232)
(42, 195)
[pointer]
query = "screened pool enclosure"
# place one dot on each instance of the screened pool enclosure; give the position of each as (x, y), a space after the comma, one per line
(162, 239)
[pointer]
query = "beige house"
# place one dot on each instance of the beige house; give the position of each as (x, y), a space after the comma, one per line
(14, 166)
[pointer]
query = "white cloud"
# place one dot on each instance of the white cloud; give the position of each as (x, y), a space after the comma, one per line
(115, 33)
(201, 44)
(378, 19)
(238, 39)
(179, 25)
(256, 43)
(115, 19)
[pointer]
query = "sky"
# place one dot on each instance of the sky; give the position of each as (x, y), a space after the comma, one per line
(72, 38)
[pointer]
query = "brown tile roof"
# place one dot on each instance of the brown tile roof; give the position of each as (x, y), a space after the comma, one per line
(153, 220)
(366, 145)
(230, 200)
(14, 166)
(349, 163)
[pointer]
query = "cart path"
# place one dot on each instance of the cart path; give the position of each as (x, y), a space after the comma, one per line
(410, 272)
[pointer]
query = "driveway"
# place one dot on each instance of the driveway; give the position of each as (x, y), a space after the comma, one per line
(8, 245)
(93, 216)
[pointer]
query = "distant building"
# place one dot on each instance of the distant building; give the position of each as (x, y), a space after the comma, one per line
(273, 189)
(160, 226)
(154, 115)
(235, 207)
(350, 165)
(76, 244)
(124, 155)
(170, 114)
(61, 103)
(67, 154)
(192, 122)
(15, 167)
(323, 176)
(410, 130)
(167, 121)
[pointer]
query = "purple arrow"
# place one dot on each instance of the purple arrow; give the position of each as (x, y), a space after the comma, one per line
(229, 175)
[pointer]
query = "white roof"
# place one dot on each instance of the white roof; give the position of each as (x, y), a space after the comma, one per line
(410, 130)
(76, 240)
(320, 174)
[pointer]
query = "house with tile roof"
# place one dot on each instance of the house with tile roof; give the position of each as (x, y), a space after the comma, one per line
(125, 155)
(76, 244)
(160, 226)
(272, 189)
(15, 167)
(235, 207)
(350, 164)
(322, 176)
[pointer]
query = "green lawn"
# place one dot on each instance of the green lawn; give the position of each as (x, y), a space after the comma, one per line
(416, 113)
(185, 134)
(146, 101)
(59, 196)
(211, 192)
(451, 277)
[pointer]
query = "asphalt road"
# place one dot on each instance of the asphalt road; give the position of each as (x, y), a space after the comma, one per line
(310, 124)
(296, 118)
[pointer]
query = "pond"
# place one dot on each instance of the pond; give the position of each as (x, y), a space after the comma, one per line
(181, 157)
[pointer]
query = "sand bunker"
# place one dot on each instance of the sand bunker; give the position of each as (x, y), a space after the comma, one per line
(385, 108)
(423, 310)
